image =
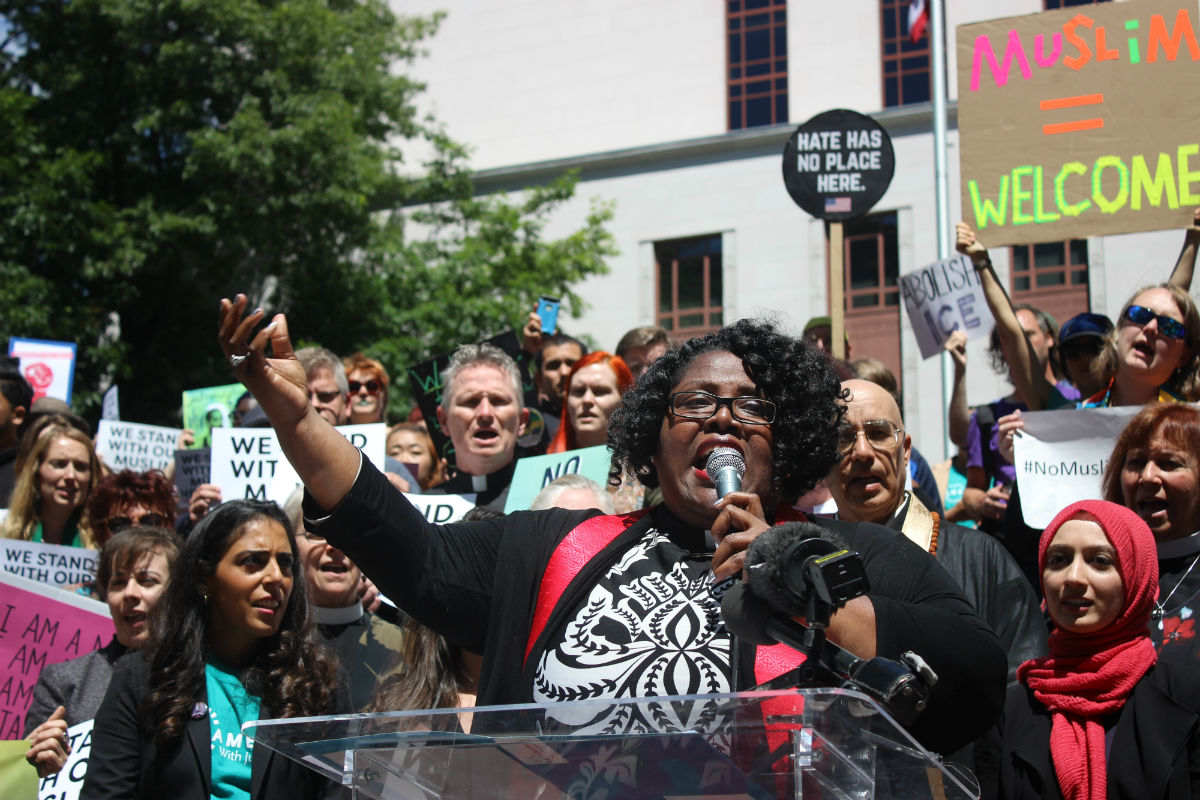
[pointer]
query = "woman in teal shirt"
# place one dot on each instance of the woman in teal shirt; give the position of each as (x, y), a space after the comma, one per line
(233, 643)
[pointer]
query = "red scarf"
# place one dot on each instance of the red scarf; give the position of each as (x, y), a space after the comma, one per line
(1088, 676)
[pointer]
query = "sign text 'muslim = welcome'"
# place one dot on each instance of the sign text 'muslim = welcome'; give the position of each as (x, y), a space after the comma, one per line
(1079, 124)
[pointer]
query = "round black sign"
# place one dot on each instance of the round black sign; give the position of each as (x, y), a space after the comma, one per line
(837, 165)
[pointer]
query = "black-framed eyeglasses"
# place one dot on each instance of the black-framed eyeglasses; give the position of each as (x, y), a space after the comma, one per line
(881, 434)
(372, 386)
(702, 405)
(151, 520)
(1171, 328)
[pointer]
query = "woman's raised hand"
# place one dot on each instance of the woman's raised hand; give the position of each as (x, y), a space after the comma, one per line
(278, 383)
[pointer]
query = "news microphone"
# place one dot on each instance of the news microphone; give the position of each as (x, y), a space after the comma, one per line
(791, 561)
(725, 467)
(902, 687)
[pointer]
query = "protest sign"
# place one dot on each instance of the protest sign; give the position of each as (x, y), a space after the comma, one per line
(129, 445)
(110, 406)
(49, 366)
(192, 468)
(68, 783)
(209, 408)
(1076, 123)
(40, 625)
(52, 564)
(18, 781)
(943, 297)
(425, 380)
(532, 474)
(838, 164)
(249, 464)
(1061, 456)
(442, 508)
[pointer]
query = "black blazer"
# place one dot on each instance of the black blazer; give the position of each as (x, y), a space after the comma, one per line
(125, 763)
(1155, 750)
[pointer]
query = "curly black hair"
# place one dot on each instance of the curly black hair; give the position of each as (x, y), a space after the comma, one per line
(791, 373)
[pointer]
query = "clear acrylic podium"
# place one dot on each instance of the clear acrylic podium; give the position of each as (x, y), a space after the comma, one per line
(813, 743)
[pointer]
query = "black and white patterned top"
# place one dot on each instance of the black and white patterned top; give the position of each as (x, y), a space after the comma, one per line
(651, 627)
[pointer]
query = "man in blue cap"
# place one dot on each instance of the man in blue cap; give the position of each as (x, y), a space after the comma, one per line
(1080, 340)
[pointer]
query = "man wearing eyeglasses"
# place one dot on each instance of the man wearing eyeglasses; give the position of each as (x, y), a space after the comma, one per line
(328, 388)
(868, 485)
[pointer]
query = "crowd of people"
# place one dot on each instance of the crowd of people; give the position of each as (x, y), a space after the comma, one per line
(1066, 658)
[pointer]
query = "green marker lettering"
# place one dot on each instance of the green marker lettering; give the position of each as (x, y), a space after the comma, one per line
(1040, 215)
(1135, 53)
(1020, 195)
(1106, 205)
(1162, 183)
(1187, 176)
(984, 208)
(1060, 196)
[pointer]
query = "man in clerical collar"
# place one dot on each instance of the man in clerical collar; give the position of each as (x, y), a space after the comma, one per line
(868, 485)
(483, 414)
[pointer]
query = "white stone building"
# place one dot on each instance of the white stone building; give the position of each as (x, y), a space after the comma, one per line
(636, 94)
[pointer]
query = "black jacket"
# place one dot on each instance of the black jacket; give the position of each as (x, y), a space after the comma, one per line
(477, 584)
(125, 762)
(1155, 750)
(995, 586)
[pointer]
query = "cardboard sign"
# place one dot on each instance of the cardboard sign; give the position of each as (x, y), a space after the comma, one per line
(129, 445)
(440, 509)
(1061, 456)
(192, 468)
(68, 783)
(40, 625)
(249, 464)
(425, 380)
(49, 366)
(209, 408)
(838, 165)
(55, 565)
(1080, 122)
(942, 298)
(534, 473)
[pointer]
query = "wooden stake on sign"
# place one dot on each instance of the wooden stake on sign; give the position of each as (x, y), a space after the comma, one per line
(837, 293)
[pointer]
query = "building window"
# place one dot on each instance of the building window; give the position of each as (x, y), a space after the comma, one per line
(905, 63)
(689, 285)
(1053, 4)
(1052, 276)
(872, 262)
(757, 59)
(1048, 266)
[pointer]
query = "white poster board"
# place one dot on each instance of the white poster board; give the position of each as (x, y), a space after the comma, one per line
(67, 784)
(943, 297)
(1061, 456)
(130, 445)
(49, 366)
(249, 464)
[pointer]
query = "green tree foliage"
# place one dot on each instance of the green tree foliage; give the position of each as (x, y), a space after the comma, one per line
(157, 155)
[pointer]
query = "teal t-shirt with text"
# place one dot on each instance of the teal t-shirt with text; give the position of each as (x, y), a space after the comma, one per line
(229, 707)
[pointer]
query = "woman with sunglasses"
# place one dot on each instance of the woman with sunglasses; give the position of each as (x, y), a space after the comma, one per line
(1152, 354)
(368, 382)
(637, 608)
(127, 498)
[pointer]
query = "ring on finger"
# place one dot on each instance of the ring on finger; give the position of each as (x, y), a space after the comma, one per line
(235, 360)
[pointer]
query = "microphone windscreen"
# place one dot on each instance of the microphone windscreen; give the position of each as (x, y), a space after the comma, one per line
(745, 615)
(768, 556)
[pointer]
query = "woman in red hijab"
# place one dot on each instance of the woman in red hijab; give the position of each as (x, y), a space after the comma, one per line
(1099, 718)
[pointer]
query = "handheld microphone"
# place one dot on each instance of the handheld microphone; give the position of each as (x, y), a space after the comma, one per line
(725, 467)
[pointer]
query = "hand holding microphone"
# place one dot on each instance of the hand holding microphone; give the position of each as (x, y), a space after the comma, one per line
(741, 518)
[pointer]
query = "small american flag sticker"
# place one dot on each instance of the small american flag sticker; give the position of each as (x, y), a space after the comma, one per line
(837, 205)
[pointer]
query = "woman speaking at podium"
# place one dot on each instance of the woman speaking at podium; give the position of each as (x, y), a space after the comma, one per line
(568, 605)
